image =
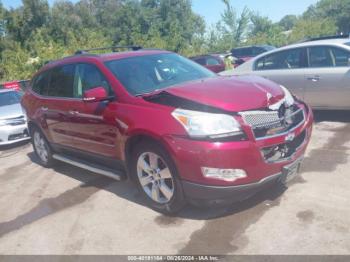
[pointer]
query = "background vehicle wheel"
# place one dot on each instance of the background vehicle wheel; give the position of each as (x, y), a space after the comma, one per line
(41, 148)
(156, 177)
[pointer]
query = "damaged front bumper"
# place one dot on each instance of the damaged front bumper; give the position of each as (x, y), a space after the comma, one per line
(264, 161)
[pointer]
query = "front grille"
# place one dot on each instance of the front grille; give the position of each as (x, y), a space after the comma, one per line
(270, 123)
(283, 151)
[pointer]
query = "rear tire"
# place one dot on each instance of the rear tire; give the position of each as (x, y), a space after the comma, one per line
(156, 177)
(42, 148)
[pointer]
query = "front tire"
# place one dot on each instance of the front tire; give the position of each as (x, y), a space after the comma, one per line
(156, 177)
(41, 148)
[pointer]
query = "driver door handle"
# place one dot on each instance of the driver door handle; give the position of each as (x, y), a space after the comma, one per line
(44, 108)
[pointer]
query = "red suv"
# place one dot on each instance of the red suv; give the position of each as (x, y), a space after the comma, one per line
(178, 130)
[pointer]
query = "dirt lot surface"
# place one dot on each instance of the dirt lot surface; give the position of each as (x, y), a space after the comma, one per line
(67, 210)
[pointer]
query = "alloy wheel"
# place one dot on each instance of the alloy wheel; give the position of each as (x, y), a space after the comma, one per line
(155, 177)
(41, 147)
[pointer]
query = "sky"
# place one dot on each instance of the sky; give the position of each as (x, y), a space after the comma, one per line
(211, 9)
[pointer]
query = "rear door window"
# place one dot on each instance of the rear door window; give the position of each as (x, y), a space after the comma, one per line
(320, 56)
(212, 61)
(62, 81)
(289, 59)
(340, 57)
(41, 83)
(200, 61)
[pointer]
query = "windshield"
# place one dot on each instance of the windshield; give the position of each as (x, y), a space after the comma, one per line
(145, 74)
(9, 98)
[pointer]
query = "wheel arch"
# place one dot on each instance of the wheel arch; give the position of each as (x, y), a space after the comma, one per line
(139, 138)
(31, 125)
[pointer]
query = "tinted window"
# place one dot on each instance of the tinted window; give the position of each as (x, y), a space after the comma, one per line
(212, 61)
(320, 56)
(144, 74)
(62, 81)
(281, 60)
(200, 61)
(41, 83)
(258, 51)
(24, 84)
(88, 77)
(9, 98)
(327, 56)
(340, 57)
(241, 52)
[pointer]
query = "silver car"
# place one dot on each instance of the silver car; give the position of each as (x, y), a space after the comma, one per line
(316, 71)
(13, 122)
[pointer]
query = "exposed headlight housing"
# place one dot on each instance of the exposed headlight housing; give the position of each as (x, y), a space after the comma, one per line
(202, 124)
(289, 99)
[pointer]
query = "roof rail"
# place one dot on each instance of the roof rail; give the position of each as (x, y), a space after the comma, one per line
(113, 48)
(326, 37)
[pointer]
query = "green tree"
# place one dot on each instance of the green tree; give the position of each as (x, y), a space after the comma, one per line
(336, 10)
(2, 20)
(234, 25)
(264, 31)
(288, 22)
(306, 28)
(35, 14)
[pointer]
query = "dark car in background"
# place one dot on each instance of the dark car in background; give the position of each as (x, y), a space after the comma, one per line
(213, 62)
(245, 53)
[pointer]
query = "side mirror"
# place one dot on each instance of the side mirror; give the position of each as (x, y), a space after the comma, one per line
(95, 94)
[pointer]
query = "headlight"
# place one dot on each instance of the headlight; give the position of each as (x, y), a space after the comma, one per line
(3, 122)
(287, 96)
(201, 124)
(24, 114)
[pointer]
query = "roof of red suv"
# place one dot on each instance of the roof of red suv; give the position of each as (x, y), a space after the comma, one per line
(103, 57)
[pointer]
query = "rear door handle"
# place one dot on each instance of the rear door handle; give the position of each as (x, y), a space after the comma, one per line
(44, 108)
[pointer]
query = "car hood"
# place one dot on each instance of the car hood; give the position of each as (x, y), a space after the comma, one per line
(230, 93)
(11, 111)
